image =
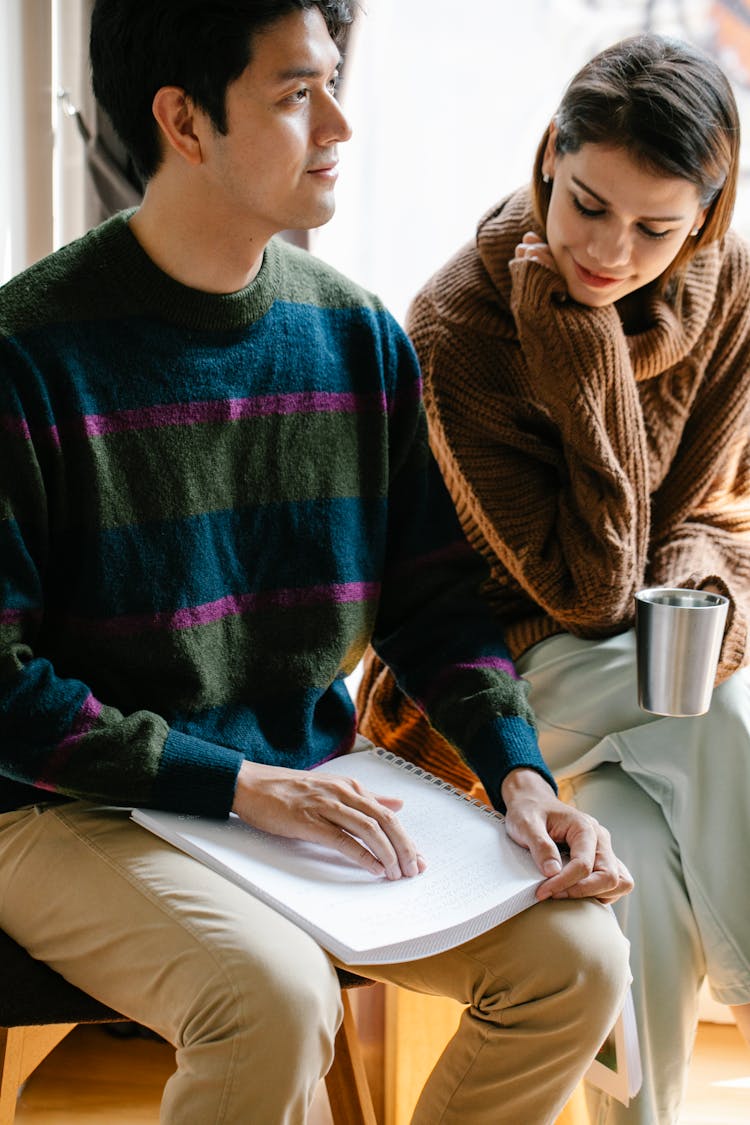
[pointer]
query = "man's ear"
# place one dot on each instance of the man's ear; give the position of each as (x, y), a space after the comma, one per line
(175, 114)
(550, 155)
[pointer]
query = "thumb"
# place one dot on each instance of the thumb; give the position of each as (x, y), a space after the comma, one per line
(543, 849)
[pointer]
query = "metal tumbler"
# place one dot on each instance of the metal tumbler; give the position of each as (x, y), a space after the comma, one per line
(679, 634)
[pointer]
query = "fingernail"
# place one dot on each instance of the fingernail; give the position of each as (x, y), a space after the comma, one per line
(411, 868)
(552, 866)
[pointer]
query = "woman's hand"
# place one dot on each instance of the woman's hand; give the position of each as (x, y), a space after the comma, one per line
(532, 249)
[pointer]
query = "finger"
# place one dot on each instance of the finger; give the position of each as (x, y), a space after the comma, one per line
(394, 803)
(609, 880)
(378, 827)
(534, 836)
(345, 804)
(582, 844)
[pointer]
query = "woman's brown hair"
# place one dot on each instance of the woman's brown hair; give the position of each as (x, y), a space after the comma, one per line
(670, 106)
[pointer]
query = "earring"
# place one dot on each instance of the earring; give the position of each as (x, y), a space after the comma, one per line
(545, 177)
(695, 231)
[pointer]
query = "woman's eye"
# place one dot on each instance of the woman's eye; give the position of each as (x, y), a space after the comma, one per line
(653, 233)
(589, 212)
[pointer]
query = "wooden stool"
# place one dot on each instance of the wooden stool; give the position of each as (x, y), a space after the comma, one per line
(38, 1008)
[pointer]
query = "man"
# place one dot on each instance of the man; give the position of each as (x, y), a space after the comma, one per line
(216, 490)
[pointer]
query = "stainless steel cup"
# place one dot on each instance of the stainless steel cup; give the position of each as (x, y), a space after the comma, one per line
(679, 634)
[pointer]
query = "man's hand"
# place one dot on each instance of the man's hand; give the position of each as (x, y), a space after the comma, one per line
(335, 811)
(539, 821)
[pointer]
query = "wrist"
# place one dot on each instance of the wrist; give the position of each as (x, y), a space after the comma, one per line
(524, 782)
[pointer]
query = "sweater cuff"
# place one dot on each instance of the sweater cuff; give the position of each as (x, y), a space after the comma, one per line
(196, 777)
(536, 285)
(502, 745)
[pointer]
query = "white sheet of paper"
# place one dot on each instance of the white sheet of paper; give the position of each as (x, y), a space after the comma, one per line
(476, 876)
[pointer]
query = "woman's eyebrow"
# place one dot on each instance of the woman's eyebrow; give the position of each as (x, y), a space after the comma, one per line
(644, 218)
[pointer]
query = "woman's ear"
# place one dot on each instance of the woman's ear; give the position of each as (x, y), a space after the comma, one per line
(549, 159)
(175, 115)
(700, 219)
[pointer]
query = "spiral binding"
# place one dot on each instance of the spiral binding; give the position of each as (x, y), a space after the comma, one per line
(418, 771)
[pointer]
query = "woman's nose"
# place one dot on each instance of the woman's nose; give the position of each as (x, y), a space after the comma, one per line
(610, 248)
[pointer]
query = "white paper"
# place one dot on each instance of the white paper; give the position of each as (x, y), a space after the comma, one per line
(476, 876)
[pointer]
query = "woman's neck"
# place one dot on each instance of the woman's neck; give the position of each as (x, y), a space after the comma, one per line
(633, 311)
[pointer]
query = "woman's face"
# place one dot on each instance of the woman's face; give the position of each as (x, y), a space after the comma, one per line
(613, 226)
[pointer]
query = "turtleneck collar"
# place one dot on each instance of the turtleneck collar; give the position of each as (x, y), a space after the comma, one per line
(671, 334)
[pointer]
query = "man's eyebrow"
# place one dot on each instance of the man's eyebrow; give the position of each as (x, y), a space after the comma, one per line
(644, 218)
(305, 71)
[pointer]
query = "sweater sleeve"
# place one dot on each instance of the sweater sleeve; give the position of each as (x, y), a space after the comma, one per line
(537, 427)
(55, 734)
(433, 629)
(701, 514)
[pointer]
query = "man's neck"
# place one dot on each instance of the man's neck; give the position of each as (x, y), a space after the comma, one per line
(194, 245)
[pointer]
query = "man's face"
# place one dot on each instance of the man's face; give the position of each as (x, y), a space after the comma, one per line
(275, 169)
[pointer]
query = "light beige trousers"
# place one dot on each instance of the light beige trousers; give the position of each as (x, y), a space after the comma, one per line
(252, 1004)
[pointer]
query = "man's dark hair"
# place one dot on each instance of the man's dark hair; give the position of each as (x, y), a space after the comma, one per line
(138, 46)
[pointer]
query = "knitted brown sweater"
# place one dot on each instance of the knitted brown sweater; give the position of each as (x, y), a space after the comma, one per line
(584, 463)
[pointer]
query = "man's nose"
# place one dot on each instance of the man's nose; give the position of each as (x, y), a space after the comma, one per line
(333, 127)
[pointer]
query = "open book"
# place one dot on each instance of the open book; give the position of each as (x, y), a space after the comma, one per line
(476, 875)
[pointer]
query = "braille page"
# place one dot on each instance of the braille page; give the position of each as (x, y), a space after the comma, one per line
(476, 876)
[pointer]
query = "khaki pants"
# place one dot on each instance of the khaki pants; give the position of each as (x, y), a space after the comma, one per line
(252, 1004)
(675, 795)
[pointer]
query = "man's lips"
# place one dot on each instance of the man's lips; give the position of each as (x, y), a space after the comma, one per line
(329, 170)
(595, 280)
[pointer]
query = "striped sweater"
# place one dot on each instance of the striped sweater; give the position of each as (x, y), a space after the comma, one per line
(209, 505)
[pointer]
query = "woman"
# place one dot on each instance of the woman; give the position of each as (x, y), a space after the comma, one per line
(587, 362)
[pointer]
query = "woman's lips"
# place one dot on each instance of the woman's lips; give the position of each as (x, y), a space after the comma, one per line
(595, 280)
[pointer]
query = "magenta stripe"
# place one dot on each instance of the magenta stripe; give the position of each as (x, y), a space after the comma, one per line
(84, 721)
(406, 396)
(499, 663)
(19, 427)
(231, 410)
(193, 616)
(453, 552)
(82, 724)
(216, 410)
(440, 685)
(16, 616)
